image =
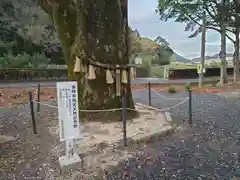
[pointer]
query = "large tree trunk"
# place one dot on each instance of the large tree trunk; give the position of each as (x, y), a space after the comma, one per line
(223, 76)
(236, 57)
(65, 27)
(223, 72)
(203, 50)
(236, 46)
(94, 30)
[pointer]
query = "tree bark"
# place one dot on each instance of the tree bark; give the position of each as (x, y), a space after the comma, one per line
(236, 44)
(223, 76)
(203, 49)
(94, 30)
(223, 71)
(236, 57)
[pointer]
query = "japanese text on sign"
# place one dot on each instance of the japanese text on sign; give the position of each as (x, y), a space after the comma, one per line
(68, 110)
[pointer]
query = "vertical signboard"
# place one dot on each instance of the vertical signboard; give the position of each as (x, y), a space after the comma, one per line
(67, 98)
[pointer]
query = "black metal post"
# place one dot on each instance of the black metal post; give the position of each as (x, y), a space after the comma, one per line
(149, 94)
(38, 98)
(190, 106)
(32, 112)
(124, 120)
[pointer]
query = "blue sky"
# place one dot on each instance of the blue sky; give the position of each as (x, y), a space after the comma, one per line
(142, 17)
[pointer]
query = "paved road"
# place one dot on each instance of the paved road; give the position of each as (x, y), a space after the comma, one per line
(136, 81)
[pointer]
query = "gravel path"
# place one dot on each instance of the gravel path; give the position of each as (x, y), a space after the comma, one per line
(29, 156)
(208, 150)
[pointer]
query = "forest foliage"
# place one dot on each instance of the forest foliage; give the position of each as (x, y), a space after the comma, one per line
(28, 38)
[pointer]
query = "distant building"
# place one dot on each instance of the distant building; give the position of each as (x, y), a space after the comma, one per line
(215, 58)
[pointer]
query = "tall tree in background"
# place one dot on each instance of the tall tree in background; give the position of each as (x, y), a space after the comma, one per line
(221, 6)
(164, 52)
(234, 23)
(25, 19)
(162, 41)
(203, 50)
(164, 55)
(135, 48)
(237, 41)
(94, 30)
(25, 29)
(190, 12)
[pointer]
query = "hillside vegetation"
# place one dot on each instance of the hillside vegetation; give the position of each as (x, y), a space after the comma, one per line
(28, 39)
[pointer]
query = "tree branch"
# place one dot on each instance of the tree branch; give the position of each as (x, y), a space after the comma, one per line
(210, 27)
(211, 15)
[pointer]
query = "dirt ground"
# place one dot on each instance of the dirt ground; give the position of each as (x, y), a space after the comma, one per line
(13, 97)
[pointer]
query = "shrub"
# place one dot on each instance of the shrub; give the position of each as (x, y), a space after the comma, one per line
(188, 86)
(24, 60)
(215, 64)
(38, 61)
(172, 89)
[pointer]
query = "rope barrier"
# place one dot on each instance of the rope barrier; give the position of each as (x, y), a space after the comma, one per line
(178, 104)
(120, 109)
(164, 97)
(85, 110)
(163, 109)
(92, 110)
(49, 105)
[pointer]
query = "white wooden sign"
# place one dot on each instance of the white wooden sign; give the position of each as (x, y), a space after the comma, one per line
(68, 115)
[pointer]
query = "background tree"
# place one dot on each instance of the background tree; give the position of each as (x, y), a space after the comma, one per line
(233, 23)
(191, 13)
(135, 47)
(26, 31)
(163, 52)
(161, 41)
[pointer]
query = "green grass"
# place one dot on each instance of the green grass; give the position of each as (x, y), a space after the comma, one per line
(157, 71)
(180, 66)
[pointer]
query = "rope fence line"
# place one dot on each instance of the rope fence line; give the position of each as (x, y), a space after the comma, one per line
(86, 110)
(163, 109)
(120, 109)
(36, 100)
(92, 110)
